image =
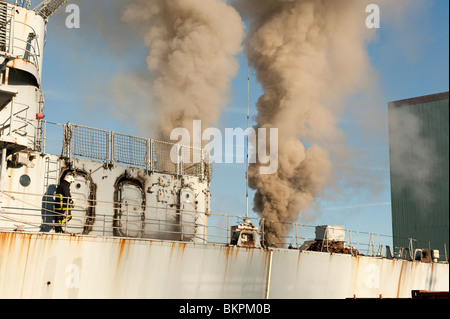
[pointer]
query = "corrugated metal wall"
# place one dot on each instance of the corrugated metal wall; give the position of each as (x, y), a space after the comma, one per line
(420, 206)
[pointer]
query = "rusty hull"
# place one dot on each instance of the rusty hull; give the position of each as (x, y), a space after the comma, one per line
(63, 266)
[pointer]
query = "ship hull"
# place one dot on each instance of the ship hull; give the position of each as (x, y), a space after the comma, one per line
(48, 266)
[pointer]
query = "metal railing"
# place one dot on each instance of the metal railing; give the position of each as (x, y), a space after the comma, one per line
(27, 49)
(23, 3)
(99, 218)
(20, 123)
(117, 219)
(149, 154)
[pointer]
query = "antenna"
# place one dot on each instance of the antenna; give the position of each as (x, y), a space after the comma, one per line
(248, 127)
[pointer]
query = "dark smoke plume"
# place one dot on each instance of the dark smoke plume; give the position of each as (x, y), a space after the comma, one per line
(192, 45)
(308, 55)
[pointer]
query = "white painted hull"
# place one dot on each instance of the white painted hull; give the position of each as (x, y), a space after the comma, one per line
(60, 266)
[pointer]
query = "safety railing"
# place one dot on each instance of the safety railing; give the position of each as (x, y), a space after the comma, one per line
(149, 154)
(23, 3)
(20, 123)
(116, 219)
(99, 218)
(27, 49)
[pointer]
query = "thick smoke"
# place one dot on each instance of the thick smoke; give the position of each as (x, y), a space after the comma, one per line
(192, 46)
(308, 55)
(190, 59)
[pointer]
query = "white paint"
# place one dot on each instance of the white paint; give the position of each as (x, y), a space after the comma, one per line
(131, 268)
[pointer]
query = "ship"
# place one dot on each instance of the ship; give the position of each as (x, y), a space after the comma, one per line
(142, 225)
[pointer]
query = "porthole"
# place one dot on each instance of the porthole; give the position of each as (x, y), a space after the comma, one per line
(25, 180)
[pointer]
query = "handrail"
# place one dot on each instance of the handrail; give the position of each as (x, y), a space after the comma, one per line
(106, 222)
(34, 54)
(145, 153)
(23, 3)
(18, 121)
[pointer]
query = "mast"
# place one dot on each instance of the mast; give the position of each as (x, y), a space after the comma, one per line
(248, 127)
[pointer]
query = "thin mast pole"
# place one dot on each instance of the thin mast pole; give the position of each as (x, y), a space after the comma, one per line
(248, 127)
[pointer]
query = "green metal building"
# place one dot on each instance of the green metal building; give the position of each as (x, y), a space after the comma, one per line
(419, 158)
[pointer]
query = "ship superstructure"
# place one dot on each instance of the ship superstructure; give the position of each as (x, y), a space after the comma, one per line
(141, 221)
(117, 177)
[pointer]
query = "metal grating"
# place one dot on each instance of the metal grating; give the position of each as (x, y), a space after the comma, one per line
(162, 161)
(152, 155)
(3, 26)
(88, 142)
(192, 159)
(130, 150)
(48, 7)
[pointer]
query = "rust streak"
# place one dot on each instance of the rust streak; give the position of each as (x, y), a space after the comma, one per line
(298, 262)
(400, 280)
(227, 252)
(355, 274)
(171, 251)
(183, 248)
(251, 256)
(122, 244)
(5, 241)
(227, 256)
(178, 247)
(236, 253)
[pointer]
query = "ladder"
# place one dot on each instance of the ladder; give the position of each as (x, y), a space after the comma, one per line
(52, 168)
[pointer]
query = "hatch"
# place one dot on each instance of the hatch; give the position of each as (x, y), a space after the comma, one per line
(188, 213)
(82, 213)
(130, 214)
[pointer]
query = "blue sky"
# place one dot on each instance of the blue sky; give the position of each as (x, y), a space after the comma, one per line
(410, 58)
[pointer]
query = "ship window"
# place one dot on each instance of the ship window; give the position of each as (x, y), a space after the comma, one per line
(25, 180)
